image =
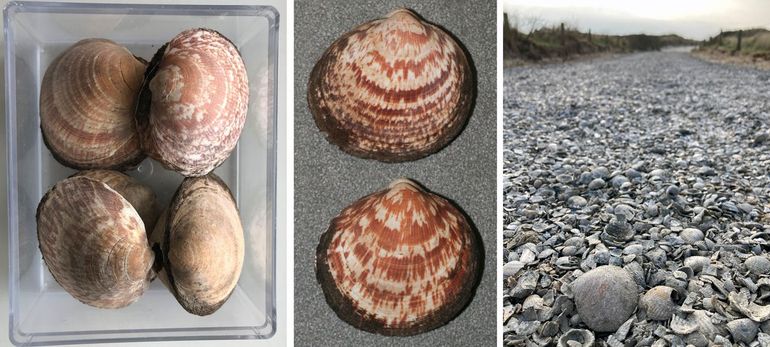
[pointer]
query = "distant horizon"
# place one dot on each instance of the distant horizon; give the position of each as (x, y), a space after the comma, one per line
(690, 19)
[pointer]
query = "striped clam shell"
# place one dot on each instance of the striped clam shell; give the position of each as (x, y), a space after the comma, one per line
(87, 101)
(94, 243)
(200, 244)
(393, 89)
(193, 103)
(141, 197)
(401, 261)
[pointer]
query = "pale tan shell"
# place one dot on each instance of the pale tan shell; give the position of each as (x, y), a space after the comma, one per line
(87, 102)
(141, 197)
(659, 303)
(94, 243)
(393, 89)
(193, 103)
(400, 261)
(200, 239)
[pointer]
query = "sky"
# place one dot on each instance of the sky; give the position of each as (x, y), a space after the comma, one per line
(694, 19)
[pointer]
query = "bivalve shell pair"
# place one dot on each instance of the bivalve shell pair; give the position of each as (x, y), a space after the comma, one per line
(193, 103)
(400, 261)
(200, 244)
(394, 89)
(87, 102)
(94, 241)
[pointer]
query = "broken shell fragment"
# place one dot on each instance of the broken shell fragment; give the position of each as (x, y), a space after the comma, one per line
(605, 297)
(394, 89)
(200, 240)
(141, 197)
(757, 313)
(93, 242)
(401, 261)
(660, 302)
(193, 103)
(87, 101)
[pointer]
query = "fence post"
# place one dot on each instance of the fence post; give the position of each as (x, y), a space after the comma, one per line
(740, 38)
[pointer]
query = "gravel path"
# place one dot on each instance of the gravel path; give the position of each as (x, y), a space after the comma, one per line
(656, 163)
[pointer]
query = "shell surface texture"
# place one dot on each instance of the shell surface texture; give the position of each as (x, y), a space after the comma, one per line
(605, 297)
(87, 102)
(93, 242)
(200, 238)
(393, 89)
(401, 261)
(193, 102)
(660, 302)
(141, 197)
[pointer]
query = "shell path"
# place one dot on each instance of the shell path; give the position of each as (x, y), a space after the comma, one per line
(661, 145)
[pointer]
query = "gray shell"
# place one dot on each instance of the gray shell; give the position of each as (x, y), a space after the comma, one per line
(605, 297)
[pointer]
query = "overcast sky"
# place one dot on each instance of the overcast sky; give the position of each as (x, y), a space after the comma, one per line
(695, 19)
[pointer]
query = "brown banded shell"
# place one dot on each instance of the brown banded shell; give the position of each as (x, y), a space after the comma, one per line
(141, 197)
(87, 102)
(201, 246)
(605, 297)
(93, 242)
(193, 103)
(393, 89)
(400, 261)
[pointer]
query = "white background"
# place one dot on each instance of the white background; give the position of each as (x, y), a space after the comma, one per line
(284, 207)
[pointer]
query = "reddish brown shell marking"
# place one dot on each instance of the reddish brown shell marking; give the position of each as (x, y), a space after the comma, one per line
(394, 89)
(194, 102)
(401, 261)
(94, 243)
(87, 101)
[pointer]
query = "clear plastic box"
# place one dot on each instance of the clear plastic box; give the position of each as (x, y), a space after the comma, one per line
(41, 313)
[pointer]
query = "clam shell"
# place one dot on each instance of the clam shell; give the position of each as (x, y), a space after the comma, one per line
(201, 246)
(87, 101)
(193, 103)
(682, 325)
(659, 303)
(93, 242)
(394, 89)
(758, 264)
(400, 261)
(605, 297)
(141, 197)
(743, 330)
(579, 337)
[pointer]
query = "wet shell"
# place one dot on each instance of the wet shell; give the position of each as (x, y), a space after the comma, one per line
(94, 243)
(201, 246)
(401, 261)
(87, 101)
(605, 297)
(659, 303)
(141, 197)
(193, 103)
(393, 89)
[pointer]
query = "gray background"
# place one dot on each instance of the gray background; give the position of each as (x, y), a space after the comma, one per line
(327, 180)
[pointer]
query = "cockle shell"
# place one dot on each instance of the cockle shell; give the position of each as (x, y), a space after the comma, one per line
(393, 89)
(605, 297)
(87, 101)
(660, 302)
(193, 103)
(141, 197)
(201, 246)
(400, 261)
(577, 337)
(93, 242)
